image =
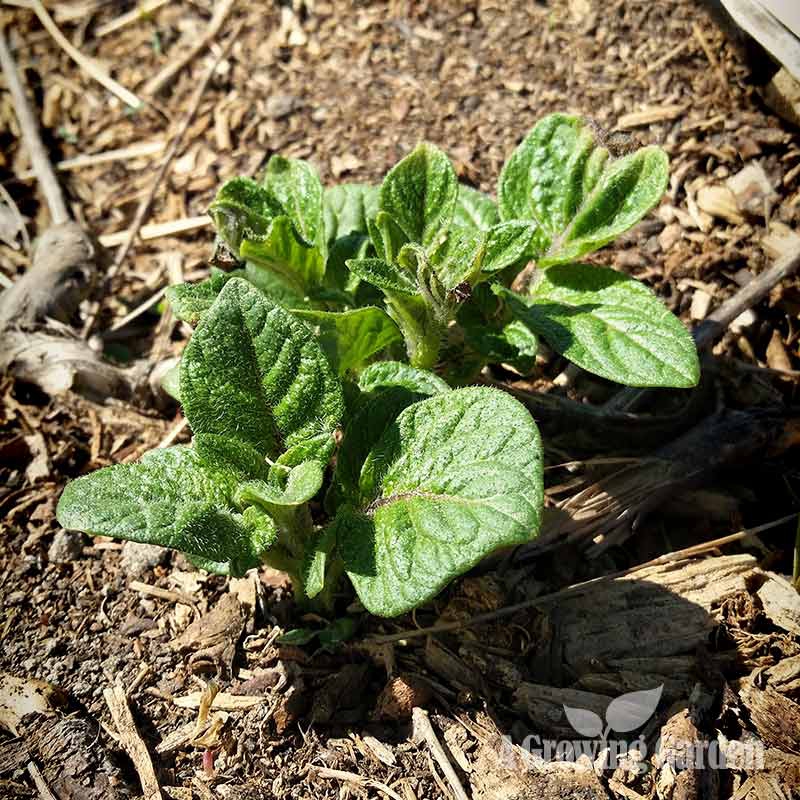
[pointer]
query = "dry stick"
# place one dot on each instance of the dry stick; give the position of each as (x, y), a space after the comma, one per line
(93, 159)
(86, 64)
(33, 141)
(40, 783)
(155, 84)
(132, 742)
(707, 333)
(147, 201)
(134, 15)
(667, 558)
(352, 777)
(712, 59)
(423, 731)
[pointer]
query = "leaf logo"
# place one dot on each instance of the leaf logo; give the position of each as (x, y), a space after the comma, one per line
(624, 713)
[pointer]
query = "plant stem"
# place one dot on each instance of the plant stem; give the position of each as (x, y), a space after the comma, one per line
(420, 328)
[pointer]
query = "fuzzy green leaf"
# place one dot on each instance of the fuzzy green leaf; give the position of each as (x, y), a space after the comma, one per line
(579, 197)
(383, 275)
(396, 373)
(302, 483)
(254, 372)
(347, 207)
(475, 209)
(175, 497)
(609, 324)
(419, 193)
(317, 561)
(453, 478)
(351, 338)
(283, 252)
(243, 209)
(297, 188)
(376, 412)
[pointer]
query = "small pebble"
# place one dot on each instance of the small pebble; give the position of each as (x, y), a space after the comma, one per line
(67, 546)
(137, 558)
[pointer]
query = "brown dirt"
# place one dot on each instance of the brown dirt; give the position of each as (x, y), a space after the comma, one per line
(353, 87)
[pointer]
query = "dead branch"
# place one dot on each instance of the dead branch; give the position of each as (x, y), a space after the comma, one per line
(33, 141)
(59, 277)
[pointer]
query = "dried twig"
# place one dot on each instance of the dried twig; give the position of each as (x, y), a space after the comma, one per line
(132, 742)
(159, 81)
(93, 159)
(33, 141)
(134, 15)
(423, 731)
(667, 558)
(147, 201)
(86, 64)
(40, 783)
(352, 777)
(156, 230)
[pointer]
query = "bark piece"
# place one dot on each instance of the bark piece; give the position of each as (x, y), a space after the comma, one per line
(503, 771)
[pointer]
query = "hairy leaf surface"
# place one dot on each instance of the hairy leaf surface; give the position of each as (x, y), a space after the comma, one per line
(453, 478)
(297, 188)
(609, 324)
(351, 338)
(475, 209)
(419, 193)
(347, 207)
(175, 497)
(580, 198)
(253, 371)
(397, 373)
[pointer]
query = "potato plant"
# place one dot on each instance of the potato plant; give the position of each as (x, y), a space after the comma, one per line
(327, 368)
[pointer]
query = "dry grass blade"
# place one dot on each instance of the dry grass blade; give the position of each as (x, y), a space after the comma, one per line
(86, 64)
(154, 85)
(134, 15)
(132, 742)
(33, 141)
(358, 780)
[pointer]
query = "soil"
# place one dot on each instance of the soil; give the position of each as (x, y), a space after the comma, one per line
(353, 87)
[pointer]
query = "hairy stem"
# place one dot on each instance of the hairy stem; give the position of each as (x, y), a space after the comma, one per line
(420, 328)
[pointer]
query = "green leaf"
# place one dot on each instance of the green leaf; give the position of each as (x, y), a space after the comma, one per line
(396, 373)
(175, 497)
(297, 188)
(303, 482)
(419, 194)
(506, 244)
(243, 209)
(453, 478)
(253, 371)
(376, 412)
(171, 382)
(350, 338)
(383, 275)
(580, 198)
(189, 301)
(347, 207)
(283, 252)
(459, 256)
(317, 561)
(297, 637)
(609, 324)
(475, 209)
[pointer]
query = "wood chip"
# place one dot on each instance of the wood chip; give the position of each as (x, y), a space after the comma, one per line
(131, 741)
(649, 115)
(222, 701)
